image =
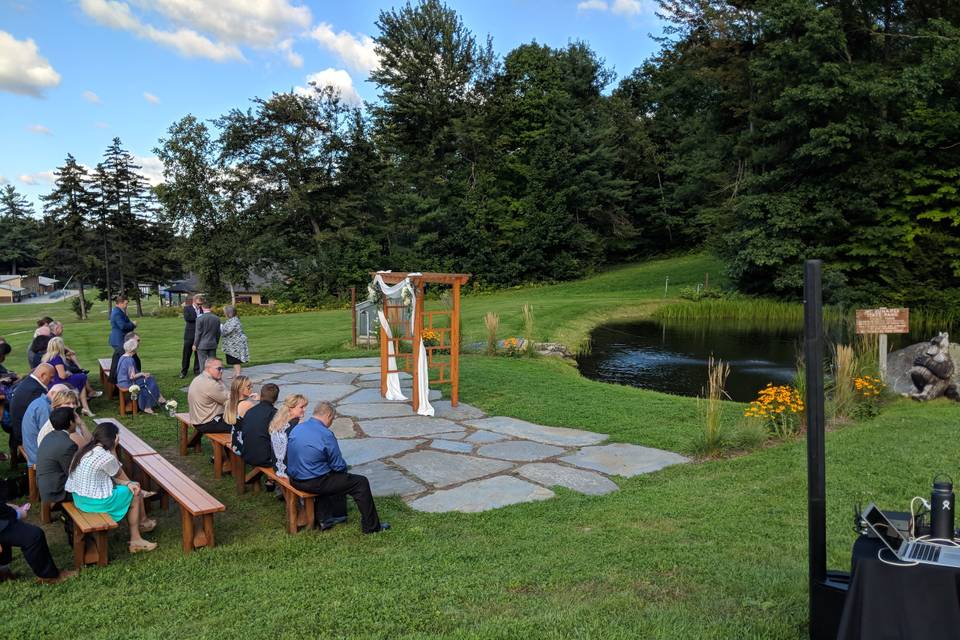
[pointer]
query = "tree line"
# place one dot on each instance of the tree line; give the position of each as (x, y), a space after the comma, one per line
(766, 131)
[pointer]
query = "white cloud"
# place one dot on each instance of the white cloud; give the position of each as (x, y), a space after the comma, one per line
(592, 5)
(294, 59)
(187, 42)
(357, 52)
(149, 97)
(102, 125)
(151, 168)
(626, 7)
(3, 180)
(38, 178)
(91, 97)
(212, 29)
(22, 69)
(39, 128)
(339, 79)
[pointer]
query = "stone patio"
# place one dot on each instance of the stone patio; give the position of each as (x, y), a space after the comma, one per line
(460, 459)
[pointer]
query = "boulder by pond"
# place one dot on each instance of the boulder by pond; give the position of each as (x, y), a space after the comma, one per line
(900, 362)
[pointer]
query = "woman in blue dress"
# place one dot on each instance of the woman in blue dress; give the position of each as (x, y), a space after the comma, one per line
(128, 374)
(56, 356)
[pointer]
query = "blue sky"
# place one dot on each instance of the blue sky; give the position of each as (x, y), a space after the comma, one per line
(76, 73)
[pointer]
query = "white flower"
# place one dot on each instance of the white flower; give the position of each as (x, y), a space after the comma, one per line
(171, 405)
(406, 294)
(371, 293)
(134, 388)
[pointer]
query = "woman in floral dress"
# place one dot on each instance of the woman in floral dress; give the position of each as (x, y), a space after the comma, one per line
(234, 340)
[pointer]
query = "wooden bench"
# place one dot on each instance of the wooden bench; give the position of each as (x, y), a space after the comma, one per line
(223, 454)
(183, 419)
(194, 501)
(109, 388)
(297, 515)
(89, 536)
(34, 491)
(127, 403)
(131, 447)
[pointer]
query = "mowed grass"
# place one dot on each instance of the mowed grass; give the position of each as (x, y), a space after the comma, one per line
(706, 550)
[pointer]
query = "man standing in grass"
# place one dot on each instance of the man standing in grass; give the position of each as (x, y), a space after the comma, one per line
(207, 334)
(190, 313)
(120, 325)
(315, 464)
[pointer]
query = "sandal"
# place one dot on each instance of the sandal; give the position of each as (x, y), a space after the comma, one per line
(146, 495)
(143, 545)
(147, 526)
(88, 413)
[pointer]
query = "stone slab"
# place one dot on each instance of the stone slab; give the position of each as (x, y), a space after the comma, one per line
(367, 396)
(375, 377)
(452, 445)
(363, 450)
(313, 364)
(370, 410)
(409, 427)
(354, 362)
(550, 474)
(457, 435)
(357, 371)
(387, 481)
(445, 469)
(483, 437)
(463, 411)
(560, 436)
(482, 495)
(317, 392)
(520, 450)
(343, 428)
(276, 368)
(320, 377)
(623, 459)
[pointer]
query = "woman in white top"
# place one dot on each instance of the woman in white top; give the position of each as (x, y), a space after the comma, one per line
(291, 412)
(99, 485)
(65, 398)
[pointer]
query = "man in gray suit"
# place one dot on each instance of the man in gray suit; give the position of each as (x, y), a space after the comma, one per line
(207, 334)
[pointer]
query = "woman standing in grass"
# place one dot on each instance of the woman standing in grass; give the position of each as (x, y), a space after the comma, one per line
(234, 340)
(99, 485)
(289, 415)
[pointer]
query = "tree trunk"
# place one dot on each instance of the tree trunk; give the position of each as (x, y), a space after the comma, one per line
(83, 302)
(139, 304)
(233, 295)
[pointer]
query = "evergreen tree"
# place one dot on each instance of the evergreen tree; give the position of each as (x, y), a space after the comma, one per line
(20, 238)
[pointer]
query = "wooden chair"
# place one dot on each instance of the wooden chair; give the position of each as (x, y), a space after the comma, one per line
(193, 499)
(89, 536)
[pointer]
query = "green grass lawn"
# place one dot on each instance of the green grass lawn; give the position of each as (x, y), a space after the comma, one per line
(706, 550)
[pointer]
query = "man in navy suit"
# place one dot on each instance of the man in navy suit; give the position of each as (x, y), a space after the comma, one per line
(28, 390)
(120, 326)
(190, 313)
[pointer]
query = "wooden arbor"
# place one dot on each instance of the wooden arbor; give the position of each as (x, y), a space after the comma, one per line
(448, 336)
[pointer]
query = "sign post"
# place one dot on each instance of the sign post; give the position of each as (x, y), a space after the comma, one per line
(883, 321)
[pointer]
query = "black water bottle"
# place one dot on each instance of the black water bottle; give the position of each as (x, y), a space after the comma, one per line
(941, 508)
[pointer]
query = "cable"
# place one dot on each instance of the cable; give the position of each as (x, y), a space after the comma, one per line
(898, 563)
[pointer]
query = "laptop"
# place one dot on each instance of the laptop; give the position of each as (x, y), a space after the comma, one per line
(909, 550)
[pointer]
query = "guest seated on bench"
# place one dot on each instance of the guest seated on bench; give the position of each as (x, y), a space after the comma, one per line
(289, 416)
(15, 532)
(242, 399)
(35, 417)
(37, 348)
(129, 373)
(56, 356)
(67, 398)
(53, 459)
(99, 485)
(29, 389)
(257, 447)
(315, 465)
(207, 397)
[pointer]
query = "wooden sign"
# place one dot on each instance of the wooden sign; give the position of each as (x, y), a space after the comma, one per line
(883, 320)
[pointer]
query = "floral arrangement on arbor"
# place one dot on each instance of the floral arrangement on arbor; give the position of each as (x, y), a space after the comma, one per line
(780, 407)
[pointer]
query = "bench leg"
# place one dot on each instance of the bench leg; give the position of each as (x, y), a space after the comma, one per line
(237, 471)
(183, 437)
(187, 522)
(123, 402)
(197, 441)
(291, 501)
(308, 508)
(102, 558)
(45, 515)
(208, 530)
(32, 480)
(79, 549)
(217, 460)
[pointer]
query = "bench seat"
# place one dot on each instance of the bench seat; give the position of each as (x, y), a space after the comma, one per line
(108, 387)
(186, 441)
(297, 515)
(89, 536)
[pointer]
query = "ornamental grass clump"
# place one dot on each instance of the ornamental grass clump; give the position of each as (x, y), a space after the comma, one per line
(717, 373)
(780, 408)
(492, 322)
(844, 371)
(527, 311)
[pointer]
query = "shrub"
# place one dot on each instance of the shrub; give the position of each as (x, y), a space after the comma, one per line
(75, 305)
(512, 347)
(779, 408)
(867, 392)
(698, 293)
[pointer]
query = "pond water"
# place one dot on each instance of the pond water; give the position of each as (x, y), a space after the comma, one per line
(673, 358)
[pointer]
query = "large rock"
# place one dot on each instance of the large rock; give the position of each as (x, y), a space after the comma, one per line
(519, 450)
(482, 495)
(362, 450)
(343, 428)
(580, 480)
(387, 481)
(463, 411)
(623, 459)
(445, 469)
(367, 410)
(411, 427)
(899, 363)
(560, 436)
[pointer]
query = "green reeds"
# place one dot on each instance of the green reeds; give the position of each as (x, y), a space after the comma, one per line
(749, 312)
(527, 311)
(717, 373)
(492, 322)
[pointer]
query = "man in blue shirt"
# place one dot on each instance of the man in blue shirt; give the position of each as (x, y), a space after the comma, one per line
(120, 326)
(315, 465)
(38, 412)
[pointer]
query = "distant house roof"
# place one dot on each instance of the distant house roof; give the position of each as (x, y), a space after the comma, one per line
(8, 276)
(47, 282)
(7, 287)
(191, 284)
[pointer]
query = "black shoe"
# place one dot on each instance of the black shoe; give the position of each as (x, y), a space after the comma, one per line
(330, 523)
(182, 376)
(383, 527)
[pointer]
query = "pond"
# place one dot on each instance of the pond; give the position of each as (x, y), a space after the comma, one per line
(673, 358)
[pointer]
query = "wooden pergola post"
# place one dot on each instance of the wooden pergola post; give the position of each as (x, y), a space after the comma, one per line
(455, 346)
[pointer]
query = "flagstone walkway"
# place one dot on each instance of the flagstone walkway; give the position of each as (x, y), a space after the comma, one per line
(460, 459)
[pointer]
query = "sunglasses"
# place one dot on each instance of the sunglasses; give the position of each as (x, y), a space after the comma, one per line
(219, 368)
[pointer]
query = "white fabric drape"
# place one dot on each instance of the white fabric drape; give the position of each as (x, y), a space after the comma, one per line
(393, 379)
